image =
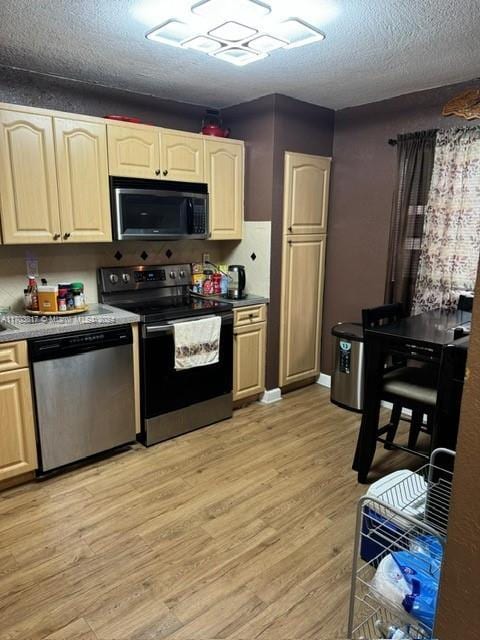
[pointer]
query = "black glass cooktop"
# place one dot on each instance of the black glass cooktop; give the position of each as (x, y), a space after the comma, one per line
(173, 308)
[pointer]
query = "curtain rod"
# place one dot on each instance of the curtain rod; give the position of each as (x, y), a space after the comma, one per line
(392, 142)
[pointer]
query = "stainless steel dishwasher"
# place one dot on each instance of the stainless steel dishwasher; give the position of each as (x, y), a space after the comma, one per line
(84, 394)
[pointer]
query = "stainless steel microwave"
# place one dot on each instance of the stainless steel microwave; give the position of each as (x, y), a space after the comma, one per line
(158, 210)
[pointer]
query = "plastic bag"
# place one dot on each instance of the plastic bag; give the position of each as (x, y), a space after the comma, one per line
(421, 574)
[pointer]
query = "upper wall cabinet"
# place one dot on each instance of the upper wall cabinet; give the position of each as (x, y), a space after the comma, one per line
(82, 171)
(306, 187)
(182, 156)
(224, 170)
(28, 186)
(133, 151)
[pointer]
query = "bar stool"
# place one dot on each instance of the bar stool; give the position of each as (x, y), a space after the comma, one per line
(406, 387)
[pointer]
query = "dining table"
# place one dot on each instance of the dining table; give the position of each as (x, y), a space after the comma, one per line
(437, 337)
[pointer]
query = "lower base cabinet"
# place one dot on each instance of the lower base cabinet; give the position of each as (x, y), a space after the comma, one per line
(18, 454)
(249, 354)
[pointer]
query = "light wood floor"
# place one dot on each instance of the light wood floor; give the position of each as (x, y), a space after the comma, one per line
(241, 530)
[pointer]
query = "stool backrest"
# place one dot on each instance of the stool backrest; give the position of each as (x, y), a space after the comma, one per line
(380, 316)
(465, 303)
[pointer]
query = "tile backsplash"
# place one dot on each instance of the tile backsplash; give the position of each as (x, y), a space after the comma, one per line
(68, 263)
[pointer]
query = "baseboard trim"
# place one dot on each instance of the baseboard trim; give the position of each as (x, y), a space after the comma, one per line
(271, 395)
(325, 380)
(389, 406)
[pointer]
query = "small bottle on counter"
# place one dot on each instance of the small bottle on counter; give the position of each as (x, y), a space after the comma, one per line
(62, 300)
(66, 287)
(78, 295)
(208, 283)
(217, 283)
(32, 294)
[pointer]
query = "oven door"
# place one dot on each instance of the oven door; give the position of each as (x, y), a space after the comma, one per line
(167, 391)
(151, 214)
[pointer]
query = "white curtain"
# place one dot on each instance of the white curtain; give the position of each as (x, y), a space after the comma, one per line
(451, 236)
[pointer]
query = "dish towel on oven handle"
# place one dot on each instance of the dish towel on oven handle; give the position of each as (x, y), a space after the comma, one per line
(197, 342)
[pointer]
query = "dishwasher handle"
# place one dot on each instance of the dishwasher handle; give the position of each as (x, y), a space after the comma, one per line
(70, 344)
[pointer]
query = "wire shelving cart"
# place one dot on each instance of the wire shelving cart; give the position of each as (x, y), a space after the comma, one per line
(410, 516)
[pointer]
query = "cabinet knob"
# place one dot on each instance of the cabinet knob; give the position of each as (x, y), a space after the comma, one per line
(66, 236)
(250, 315)
(56, 236)
(165, 172)
(290, 229)
(157, 172)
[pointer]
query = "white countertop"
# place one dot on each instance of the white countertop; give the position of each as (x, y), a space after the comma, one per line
(98, 315)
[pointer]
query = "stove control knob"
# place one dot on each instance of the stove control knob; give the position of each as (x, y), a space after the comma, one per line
(182, 274)
(173, 275)
(126, 278)
(113, 278)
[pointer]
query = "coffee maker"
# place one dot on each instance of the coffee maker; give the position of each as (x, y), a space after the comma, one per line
(236, 282)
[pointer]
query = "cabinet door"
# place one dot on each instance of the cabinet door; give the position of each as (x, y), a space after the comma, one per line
(224, 166)
(182, 156)
(306, 186)
(82, 172)
(249, 360)
(28, 183)
(17, 434)
(133, 151)
(301, 314)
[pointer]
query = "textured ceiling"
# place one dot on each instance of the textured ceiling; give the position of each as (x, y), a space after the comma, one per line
(374, 49)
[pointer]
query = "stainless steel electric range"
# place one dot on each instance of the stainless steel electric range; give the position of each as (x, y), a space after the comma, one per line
(172, 402)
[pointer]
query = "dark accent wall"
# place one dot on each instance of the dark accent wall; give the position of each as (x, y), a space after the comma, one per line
(270, 126)
(362, 187)
(48, 92)
(253, 122)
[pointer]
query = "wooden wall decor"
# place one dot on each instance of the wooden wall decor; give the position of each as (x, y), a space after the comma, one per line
(466, 105)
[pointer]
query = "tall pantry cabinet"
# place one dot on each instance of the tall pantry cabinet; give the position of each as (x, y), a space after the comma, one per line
(305, 209)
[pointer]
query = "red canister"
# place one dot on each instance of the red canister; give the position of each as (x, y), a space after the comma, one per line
(217, 283)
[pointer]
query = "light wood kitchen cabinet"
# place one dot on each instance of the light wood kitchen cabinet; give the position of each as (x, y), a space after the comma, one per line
(249, 352)
(28, 183)
(17, 432)
(133, 151)
(306, 189)
(182, 156)
(82, 174)
(301, 307)
(224, 170)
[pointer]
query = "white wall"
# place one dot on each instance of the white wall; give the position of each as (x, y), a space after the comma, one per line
(68, 263)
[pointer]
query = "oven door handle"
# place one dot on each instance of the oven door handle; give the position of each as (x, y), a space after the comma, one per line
(155, 330)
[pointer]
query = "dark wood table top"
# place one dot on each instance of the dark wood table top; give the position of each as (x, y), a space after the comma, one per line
(433, 328)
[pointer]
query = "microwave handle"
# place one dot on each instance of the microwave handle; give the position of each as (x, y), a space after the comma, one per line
(190, 215)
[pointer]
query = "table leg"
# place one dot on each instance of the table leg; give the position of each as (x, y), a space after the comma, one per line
(367, 437)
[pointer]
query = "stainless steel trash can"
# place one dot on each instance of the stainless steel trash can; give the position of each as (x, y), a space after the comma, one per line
(347, 378)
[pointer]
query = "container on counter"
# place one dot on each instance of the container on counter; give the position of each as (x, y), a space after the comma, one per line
(62, 300)
(223, 268)
(27, 298)
(208, 283)
(47, 298)
(217, 283)
(197, 282)
(66, 290)
(197, 268)
(32, 294)
(78, 295)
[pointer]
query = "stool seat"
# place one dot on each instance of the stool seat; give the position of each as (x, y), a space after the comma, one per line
(411, 383)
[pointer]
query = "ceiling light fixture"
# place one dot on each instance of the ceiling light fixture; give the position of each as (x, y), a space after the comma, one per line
(232, 32)
(236, 31)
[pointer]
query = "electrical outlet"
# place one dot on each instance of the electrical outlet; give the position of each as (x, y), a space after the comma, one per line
(205, 258)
